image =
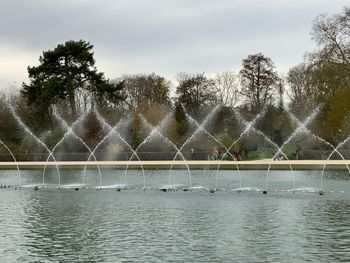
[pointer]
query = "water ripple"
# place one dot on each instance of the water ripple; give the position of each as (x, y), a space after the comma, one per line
(151, 226)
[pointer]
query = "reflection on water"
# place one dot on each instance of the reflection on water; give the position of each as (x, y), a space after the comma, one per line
(152, 226)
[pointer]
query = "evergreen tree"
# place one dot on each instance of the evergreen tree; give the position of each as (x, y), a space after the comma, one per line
(63, 73)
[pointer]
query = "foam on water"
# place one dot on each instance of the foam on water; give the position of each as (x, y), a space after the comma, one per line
(113, 186)
(69, 186)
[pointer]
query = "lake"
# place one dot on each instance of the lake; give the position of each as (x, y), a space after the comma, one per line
(136, 225)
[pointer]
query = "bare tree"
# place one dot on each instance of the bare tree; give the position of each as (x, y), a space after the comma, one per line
(146, 89)
(228, 87)
(195, 91)
(259, 81)
(302, 91)
(332, 34)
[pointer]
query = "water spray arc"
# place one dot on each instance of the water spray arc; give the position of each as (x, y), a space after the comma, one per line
(198, 130)
(40, 142)
(189, 117)
(114, 130)
(299, 129)
(248, 126)
(308, 131)
(255, 130)
(70, 131)
(152, 132)
(155, 130)
(119, 123)
(329, 157)
(14, 159)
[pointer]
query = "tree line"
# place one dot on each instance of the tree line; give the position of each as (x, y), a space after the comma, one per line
(67, 81)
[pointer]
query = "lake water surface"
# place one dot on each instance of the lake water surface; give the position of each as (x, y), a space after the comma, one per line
(134, 225)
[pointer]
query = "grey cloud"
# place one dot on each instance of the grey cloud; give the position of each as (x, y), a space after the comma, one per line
(163, 35)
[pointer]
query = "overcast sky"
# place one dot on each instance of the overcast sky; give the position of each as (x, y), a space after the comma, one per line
(162, 36)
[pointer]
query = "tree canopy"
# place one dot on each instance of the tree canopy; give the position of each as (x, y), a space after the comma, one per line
(195, 91)
(64, 72)
(146, 89)
(332, 35)
(259, 81)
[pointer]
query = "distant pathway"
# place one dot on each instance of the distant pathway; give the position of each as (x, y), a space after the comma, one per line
(194, 164)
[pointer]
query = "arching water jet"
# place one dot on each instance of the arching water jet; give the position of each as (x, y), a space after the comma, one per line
(114, 130)
(40, 142)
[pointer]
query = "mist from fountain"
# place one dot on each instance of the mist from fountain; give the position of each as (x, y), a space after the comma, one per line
(162, 123)
(315, 136)
(40, 142)
(329, 157)
(189, 117)
(119, 123)
(65, 135)
(70, 131)
(115, 131)
(14, 159)
(247, 128)
(155, 130)
(245, 123)
(199, 129)
(299, 129)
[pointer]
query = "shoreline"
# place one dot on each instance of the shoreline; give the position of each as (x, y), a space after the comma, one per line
(193, 164)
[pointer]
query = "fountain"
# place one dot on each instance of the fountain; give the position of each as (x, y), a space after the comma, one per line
(70, 131)
(14, 159)
(335, 149)
(299, 129)
(155, 130)
(119, 123)
(152, 133)
(40, 142)
(114, 130)
(328, 158)
(245, 123)
(248, 126)
(198, 130)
